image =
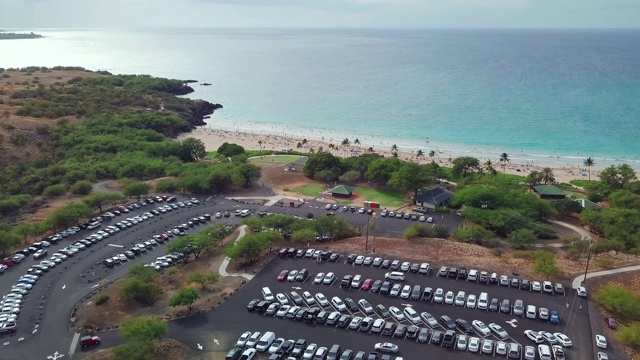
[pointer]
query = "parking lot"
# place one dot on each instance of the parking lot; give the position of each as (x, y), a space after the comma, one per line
(238, 320)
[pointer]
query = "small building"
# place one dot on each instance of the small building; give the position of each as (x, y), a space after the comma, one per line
(551, 192)
(432, 198)
(342, 191)
(588, 204)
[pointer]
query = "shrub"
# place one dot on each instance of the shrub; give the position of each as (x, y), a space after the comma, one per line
(619, 300)
(630, 335)
(82, 188)
(605, 263)
(101, 300)
(55, 190)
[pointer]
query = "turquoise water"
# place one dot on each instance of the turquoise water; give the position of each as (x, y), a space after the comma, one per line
(545, 95)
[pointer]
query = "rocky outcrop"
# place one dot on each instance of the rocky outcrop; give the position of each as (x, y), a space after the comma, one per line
(200, 109)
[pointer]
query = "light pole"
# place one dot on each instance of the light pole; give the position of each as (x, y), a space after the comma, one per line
(584, 282)
(366, 238)
(373, 246)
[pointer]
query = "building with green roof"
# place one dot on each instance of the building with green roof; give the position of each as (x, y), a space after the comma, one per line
(342, 191)
(551, 192)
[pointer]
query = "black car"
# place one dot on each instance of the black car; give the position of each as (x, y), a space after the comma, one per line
(424, 335)
(302, 275)
(366, 324)
(351, 258)
(385, 288)
(262, 306)
(383, 311)
(453, 273)
(311, 314)
(462, 274)
(449, 339)
(283, 252)
(376, 286)
(525, 284)
(464, 326)
(414, 268)
(226, 214)
(135, 250)
(412, 331)
(252, 305)
(207, 216)
(447, 323)
(285, 348)
(344, 321)
(322, 316)
(385, 264)
(436, 338)
(401, 331)
(298, 348)
(351, 305)
(108, 263)
(427, 295)
(346, 281)
(493, 305)
(334, 257)
(234, 354)
(300, 315)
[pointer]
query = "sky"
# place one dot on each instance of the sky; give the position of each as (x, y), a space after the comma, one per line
(33, 14)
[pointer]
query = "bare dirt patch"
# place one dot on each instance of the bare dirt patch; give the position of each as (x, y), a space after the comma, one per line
(167, 349)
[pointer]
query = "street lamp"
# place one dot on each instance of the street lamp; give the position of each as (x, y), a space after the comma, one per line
(366, 239)
(584, 282)
(373, 246)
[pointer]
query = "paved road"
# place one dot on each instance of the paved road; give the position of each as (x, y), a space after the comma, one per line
(223, 267)
(585, 235)
(579, 279)
(49, 305)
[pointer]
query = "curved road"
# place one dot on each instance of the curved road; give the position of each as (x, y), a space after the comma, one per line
(223, 267)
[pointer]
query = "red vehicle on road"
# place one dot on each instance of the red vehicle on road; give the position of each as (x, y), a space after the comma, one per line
(367, 284)
(283, 275)
(89, 340)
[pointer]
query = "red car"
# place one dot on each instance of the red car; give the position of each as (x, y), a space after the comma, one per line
(8, 262)
(611, 322)
(283, 275)
(367, 284)
(89, 340)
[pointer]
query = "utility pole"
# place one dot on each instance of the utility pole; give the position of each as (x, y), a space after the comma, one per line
(586, 269)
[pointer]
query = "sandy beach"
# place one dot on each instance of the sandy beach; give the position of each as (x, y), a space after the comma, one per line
(212, 139)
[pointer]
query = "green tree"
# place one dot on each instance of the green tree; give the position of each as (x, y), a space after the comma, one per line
(8, 241)
(82, 187)
(192, 149)
(144, 329)
(394, 150)
(202, 279)
(489, 169)
(630, 335)
(142, 272)
(381, 170)
(621, 301)
(589, 162)
(548, 176)
(350, 177)
(24, 230)
(230, 149)
(248, 249)
(624, 199)
(55, 190)
(69, 215)
(617, 177)
(220, 181)
(477, 235)
(534, 178)
(545, 264)
(326, 176)
(411, 177)
(304, 236)
(566, 207)
(462, 165)
(134, 350)
(322, 160)
(137, 189)
(184, 296)
(99, 199)
(248, 172)
(522, 239)
(146, 293)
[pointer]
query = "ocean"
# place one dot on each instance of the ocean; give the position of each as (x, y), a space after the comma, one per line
(545, 96)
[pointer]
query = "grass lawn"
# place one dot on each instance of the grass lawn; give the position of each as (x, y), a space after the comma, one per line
(309, 189)
(581, 183)
(386, 197)
(284, 159)
(575, 194)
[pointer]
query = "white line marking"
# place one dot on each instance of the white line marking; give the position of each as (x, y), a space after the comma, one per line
(74, 344)
(114, 245)
(64, 286)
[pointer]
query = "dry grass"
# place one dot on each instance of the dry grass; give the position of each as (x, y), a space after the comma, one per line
(166, 349)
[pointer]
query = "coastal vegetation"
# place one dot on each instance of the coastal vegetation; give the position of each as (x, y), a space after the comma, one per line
(17, 36)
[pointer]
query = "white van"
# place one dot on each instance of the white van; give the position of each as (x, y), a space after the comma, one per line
(544, 352)
(531, 312)
(412, 315)
(265, 341)
(245, 213)
(394, 275)
(483, 301)
(267, 295)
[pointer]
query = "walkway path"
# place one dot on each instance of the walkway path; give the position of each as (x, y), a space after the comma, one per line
(271, 200)
(585, 235)
(223, 267)
(579, 279)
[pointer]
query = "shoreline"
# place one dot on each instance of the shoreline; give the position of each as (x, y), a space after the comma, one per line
(213, 138)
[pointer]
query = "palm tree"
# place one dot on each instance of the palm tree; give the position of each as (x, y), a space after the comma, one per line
(370, 150)
(356, 142)
(547, 175)
(488, 166)
(331, 146)
(432, 153)
(419, 154)
(534, 178)
(260, 142)
(394, 150)
(320, 149)
(504, 160)
(589, 162)
(299, 145)
(346, 144)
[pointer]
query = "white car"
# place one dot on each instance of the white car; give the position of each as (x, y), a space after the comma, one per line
(309, 351)
(602, 356)
(308, 298)
(534, 336)
(22, 286)
(536, 286)
(386, 347)
(378, 325)
(406, 292)
(543, 313)
(471, 301)
(549, 337)
(501, 348)
(242, 340)
(448, 298)
(474, 344)
(282, 299)
(438, 296)
(395, 290)
(329, 278)
(429, 319)
(359, 260)
(282, 312)
(338, 304)
(601, 341)
(563, 339)
(275, 345)
(461, 344)
(322, 300)
(292, 275)
(460, 298)
(405, 266)
(498, 331)
(396, 313)
(481, 328)
(249, 354)
(424, 268)
(582, 291)
(319, 278)
(487, 346)
(529, 353)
